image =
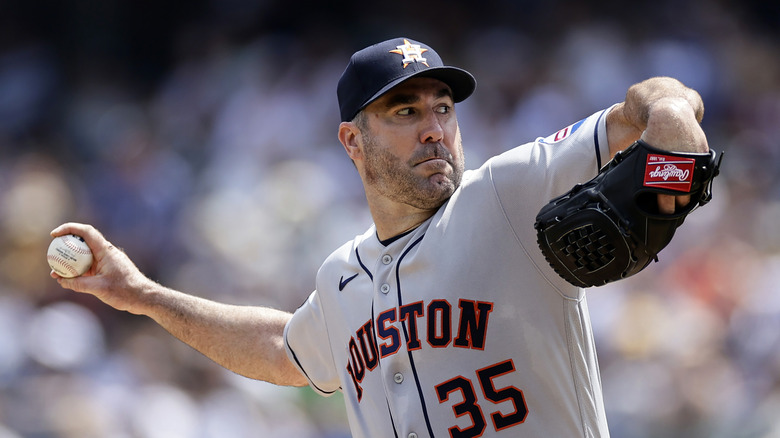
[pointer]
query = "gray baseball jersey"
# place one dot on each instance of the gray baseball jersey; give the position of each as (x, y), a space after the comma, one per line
(460, 328)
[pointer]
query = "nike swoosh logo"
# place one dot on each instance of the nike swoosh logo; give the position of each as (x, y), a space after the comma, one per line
(343, 282)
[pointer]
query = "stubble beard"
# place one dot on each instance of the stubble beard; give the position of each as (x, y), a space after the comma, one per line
(398, 181)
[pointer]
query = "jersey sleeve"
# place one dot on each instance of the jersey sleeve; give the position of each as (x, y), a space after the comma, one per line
(550, 166)
(527, 177)
(308, 347)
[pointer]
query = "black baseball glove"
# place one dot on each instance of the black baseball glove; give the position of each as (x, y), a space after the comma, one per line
(610, 227)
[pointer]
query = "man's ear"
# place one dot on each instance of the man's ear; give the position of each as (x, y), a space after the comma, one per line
(349, 136)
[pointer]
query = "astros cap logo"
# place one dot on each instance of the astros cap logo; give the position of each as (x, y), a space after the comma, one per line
(411, 52)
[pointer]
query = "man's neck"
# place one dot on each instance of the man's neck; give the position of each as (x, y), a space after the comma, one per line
(392, 219)
(387, 229)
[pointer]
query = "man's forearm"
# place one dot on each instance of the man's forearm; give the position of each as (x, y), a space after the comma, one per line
(244, 339)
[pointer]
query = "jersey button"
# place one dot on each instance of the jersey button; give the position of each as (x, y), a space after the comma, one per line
(398, 378)
(387, 259)
(412, 435)
(385, 288)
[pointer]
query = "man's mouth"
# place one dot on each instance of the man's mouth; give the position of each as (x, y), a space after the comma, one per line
(433, 161)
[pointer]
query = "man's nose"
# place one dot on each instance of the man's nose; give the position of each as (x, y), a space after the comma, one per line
(432, 130)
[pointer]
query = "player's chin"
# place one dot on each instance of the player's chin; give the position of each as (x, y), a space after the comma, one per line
(449, 177)
(440, 178)
(436, 170)
(439, 183)
(440, 186)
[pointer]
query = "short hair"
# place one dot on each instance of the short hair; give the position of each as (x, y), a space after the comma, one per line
(361, 121)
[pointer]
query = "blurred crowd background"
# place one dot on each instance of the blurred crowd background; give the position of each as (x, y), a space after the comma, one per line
(200, 137)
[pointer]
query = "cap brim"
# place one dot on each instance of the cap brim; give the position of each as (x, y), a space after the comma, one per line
(461, 82)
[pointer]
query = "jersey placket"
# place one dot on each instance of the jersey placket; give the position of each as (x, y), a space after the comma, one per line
(398, 379)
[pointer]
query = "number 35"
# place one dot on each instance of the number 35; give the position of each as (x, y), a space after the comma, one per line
(470, 406)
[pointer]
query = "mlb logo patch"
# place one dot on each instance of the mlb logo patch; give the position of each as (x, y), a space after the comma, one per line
(666, 172)
(563, 133)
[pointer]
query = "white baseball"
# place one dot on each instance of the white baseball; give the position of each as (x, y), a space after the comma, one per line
(69, 256)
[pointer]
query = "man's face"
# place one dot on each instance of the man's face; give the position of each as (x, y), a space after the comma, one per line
(412, 144)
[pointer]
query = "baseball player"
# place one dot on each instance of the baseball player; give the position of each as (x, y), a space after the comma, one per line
(444, 318)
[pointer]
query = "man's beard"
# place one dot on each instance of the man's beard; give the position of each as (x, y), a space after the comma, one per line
(398, 181)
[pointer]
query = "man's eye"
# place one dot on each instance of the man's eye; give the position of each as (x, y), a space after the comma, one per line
(444, 109)
(404, 112)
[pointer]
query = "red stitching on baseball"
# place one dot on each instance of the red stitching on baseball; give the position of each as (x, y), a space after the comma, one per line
(69, 242)
(62, 263)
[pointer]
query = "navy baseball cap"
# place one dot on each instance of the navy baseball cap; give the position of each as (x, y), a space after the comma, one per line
(376, 69)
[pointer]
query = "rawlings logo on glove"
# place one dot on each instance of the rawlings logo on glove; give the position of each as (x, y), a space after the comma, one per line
(661, 168)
